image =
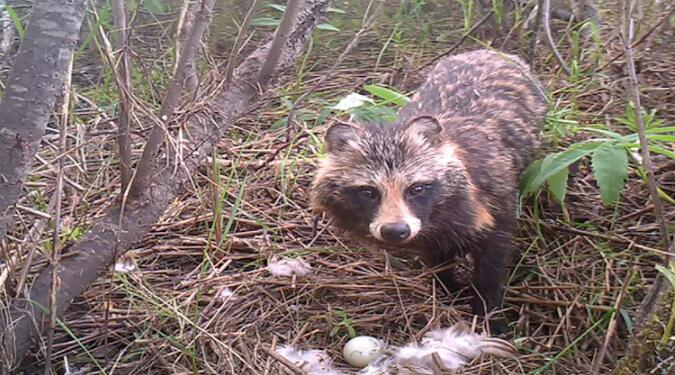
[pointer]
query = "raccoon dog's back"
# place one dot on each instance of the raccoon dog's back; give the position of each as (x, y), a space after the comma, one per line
(488, 102)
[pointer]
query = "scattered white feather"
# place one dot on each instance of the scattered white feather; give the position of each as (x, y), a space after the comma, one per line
(311, 362)
(225, 295)
(637, 156)
(351, 101)
(288, 267)
(455, 347)
(125, 265)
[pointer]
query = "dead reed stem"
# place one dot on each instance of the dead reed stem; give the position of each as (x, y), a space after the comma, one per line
(56, 234)
(124, 71)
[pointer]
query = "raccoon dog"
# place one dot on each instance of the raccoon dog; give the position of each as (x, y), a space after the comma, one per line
(442, 180)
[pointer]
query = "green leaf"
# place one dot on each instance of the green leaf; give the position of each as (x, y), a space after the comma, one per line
(334, 331)
(327, 27)
(387, 94)
(370, 113)
(16, 20)
(280, 8)
(352, 331)
(627, 320)
(335, 10)
(557, 184)
(608, 133)
(610, 167)
(665, 129)
(662, 138)
(530, 173)
(553, 163)
(668, 273)
(265, 21)
(662, 151)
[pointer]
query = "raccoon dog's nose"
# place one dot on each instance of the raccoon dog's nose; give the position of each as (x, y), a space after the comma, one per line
(395, 232)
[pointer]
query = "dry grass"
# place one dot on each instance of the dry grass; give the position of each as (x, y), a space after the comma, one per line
(169, 316)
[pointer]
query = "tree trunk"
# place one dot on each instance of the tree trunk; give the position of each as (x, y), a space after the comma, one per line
(112, 235)
(31, 88)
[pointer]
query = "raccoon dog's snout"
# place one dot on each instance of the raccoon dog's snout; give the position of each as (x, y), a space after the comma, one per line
(395, 232)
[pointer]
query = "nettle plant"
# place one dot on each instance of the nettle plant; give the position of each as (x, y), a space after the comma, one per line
(610, 153)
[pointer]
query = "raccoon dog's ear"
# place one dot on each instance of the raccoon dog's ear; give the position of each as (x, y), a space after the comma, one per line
(424, 126)
(338, 136)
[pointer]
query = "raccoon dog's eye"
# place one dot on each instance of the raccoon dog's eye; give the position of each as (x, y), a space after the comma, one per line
(367, 193)
(417, 189)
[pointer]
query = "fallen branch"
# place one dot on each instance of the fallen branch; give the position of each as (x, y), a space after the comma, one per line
(113, 234)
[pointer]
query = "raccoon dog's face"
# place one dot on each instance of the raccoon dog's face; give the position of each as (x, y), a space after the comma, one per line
(385, 182)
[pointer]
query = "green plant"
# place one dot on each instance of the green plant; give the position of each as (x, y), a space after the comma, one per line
(609, 155)
(669, 274)
(498, 9)
(345, 323)
(16, 20)
(467, 10)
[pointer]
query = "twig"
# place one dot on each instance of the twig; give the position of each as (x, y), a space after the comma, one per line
(232, 59)
(280, 37)
(170, 101)
(56, 243)
(651, 298)
(649, 32)
(612, 324)
(30, 240)
(126, 108)
(546, 23)
(535, 31)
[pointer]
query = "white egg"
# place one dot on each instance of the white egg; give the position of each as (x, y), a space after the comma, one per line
(362, 350)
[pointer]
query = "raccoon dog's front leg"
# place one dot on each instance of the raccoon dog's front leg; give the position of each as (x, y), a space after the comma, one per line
(437, 258)
(491, 257)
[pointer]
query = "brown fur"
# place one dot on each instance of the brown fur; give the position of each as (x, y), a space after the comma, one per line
(465, 137)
